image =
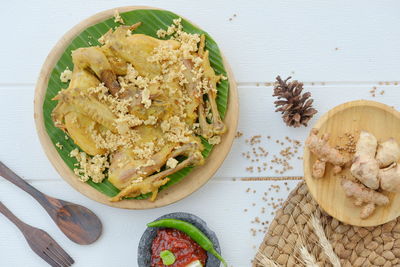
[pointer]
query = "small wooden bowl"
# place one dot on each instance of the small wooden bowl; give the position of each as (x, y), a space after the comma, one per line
(192, 182)
(352, 117)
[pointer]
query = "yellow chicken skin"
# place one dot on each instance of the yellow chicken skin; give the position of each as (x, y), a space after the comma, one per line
(136, 49)
(141, 103)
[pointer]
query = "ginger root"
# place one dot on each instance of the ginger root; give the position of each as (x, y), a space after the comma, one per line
(390, 178)
(366, 145)
(367, 210)
(365, 167)
(324, 152)
(337, 169)
(363, 194)
(368, 167)
(318, 169)
(321, 148)
(388, 153)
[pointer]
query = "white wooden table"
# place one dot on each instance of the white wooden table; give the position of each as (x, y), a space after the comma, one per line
(340, 49)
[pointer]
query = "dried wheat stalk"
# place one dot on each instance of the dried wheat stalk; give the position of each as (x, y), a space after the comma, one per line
(325, 244)
(308, 258)
(264, 260)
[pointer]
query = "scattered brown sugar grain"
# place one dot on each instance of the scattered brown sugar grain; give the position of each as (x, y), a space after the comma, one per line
(250, 169)
(233, 16)
(373, 91)
(279, 163)
(238, 134)
(269, 205)
(254, 140)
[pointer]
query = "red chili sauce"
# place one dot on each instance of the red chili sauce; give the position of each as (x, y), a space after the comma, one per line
(183, 247)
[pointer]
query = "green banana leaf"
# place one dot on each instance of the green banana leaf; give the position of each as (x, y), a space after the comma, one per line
(152, 20)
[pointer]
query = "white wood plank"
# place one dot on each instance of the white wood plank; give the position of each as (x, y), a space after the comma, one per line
(20, 146)
(21, 149)
(348, 45)
(265, 39)
(123, 228)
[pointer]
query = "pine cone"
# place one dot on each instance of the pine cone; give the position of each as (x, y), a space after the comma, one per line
(297, 107)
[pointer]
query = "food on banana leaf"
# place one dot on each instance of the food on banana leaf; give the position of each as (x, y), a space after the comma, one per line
(136, 107)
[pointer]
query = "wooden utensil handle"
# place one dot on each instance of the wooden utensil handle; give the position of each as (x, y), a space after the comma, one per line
(9, 215)
(21, 183)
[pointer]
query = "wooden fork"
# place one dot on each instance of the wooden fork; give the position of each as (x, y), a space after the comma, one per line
(40, 241)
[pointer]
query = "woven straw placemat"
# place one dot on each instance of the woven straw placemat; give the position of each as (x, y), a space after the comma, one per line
(355, 246)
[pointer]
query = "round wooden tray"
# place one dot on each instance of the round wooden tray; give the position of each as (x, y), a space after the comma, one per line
(379, 119)
(197, 178)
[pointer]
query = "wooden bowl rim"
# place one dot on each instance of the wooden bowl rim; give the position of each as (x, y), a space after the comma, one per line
(191, 183)
(307, 154)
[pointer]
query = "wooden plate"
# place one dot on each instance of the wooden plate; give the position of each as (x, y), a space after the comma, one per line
(197, 178)
(379, 119)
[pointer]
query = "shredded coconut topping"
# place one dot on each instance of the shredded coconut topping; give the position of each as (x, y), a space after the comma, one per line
(171, 163)
(215, 140)
(118, 18)
(90, 167)
(66, 75)
(146, 98)
(60, 146)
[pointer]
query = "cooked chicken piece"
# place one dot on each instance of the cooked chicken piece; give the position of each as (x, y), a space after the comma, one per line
(76, 113)
(151, 184)
(78, 127)
(92, 58)
(136, 49)
(89, 106)
(125, 168)
(164, 104)
(217, 126)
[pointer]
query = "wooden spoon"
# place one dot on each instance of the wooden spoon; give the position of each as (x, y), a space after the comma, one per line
(78, 223)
